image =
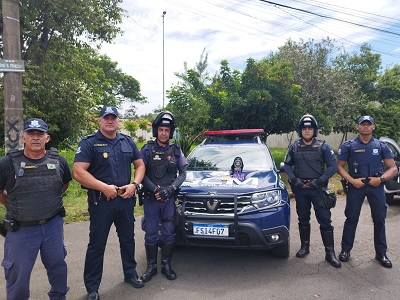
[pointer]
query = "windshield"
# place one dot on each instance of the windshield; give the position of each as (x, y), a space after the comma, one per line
(221, 157)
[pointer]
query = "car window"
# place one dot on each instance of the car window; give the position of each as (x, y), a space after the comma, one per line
(220, 157)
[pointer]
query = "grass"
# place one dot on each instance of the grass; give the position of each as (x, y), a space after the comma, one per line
(76, 204)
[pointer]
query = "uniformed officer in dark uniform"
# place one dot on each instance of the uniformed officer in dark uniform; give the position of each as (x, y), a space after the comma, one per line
(103, 167)
(305, 166)
(32, 183)
(165, 173)
(366, 177)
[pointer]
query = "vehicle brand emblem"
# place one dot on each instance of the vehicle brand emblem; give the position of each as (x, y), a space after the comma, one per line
(212, 205)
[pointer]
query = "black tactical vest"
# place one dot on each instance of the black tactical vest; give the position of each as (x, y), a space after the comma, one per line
(162, 166)
(37, 193)
(309, 163)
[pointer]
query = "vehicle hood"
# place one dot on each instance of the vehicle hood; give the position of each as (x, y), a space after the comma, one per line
(223, 182)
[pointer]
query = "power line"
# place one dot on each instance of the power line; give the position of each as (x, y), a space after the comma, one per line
(332, 18)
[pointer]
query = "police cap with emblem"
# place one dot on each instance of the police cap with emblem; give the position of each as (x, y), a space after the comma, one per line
(35, 124)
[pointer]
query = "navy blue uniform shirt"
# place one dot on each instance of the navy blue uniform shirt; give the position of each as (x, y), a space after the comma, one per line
(368, 157)
(110, 159)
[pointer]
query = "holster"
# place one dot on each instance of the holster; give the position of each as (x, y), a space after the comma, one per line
(3, 230)
(345, 185)
(94, 196)
(140, 194)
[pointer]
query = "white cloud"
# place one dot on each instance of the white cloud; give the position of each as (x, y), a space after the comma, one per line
(237, 30)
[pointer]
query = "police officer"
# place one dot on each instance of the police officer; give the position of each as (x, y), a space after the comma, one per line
(305, 166)
(32, 182)
(163, 160)
(366, 178)
(103, 167)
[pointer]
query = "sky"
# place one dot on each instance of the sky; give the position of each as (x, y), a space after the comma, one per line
(155, 46)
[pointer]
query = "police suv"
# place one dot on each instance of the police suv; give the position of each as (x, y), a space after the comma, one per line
(233, 195)
(392, 186)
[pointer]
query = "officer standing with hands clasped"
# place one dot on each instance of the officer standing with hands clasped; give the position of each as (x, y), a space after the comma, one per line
(103, 167)
(365, 177)
(305, 166)
(32, 183)
(164, 161)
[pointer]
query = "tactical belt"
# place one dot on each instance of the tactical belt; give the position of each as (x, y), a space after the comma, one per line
(36, 222)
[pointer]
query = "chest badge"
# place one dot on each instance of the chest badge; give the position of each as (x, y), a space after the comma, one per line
(157, 157)
(375, 152)
(51, 166)
(105, 155)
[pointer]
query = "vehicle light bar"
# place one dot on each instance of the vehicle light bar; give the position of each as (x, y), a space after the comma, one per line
(234, 131)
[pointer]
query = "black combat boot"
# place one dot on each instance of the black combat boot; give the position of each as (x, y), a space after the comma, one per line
(305, 241)
(166, 256)
(330, 256)
(151, 254)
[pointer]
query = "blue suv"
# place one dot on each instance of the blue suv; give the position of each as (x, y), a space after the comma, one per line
(233, 195)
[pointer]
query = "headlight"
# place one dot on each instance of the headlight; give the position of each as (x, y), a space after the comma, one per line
(263, 200)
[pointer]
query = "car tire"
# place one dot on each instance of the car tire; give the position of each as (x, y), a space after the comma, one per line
(281, 251)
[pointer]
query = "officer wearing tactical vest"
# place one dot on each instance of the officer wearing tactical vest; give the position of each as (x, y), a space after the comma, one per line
(32, 182)
(163, 160)
(305, 166)
(366, 177)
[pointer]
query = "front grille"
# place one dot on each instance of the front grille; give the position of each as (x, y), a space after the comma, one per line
(214, 204)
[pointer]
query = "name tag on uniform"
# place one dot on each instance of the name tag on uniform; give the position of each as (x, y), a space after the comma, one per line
(359, 150)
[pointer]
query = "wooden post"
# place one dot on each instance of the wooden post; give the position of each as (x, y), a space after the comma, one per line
(13, 106)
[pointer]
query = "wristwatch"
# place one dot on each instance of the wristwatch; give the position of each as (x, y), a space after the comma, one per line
(383, 179)
(136, 185)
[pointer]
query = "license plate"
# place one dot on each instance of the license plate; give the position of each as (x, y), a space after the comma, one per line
(211, 229)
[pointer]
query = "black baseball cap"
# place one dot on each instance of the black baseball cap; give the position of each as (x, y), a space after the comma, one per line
(35, 124)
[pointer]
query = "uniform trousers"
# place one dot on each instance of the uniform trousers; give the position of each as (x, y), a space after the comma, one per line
(156, 213)
(117, 211)
(20, 252)
(304, 199)
(377, 202)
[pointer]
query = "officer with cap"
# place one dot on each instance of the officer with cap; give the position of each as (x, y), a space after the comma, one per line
(366, 178)
(305, 163)
(165, 173)
(32, 183)
(103, 166)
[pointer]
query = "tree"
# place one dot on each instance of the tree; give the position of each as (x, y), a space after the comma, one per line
(327, 89)
(66, 80)
(187, 102)
(132, 127)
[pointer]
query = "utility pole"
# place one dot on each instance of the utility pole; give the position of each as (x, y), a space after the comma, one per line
(163, 59)
(12, 66)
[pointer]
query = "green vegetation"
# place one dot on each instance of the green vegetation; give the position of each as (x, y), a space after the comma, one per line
(75, 199)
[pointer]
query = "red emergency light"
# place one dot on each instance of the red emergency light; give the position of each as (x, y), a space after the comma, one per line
(234, 132)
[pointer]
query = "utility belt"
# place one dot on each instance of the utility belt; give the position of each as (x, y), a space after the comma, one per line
(305, 181)
(14, 225)
(95, 196)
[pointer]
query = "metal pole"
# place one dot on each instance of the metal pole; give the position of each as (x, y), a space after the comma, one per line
(163, 59)
(13, 107)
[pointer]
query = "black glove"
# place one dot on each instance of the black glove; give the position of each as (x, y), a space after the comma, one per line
(315, 184)
(297, 183)
(164, 193)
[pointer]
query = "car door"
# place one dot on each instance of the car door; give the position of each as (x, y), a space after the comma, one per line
(392, 186)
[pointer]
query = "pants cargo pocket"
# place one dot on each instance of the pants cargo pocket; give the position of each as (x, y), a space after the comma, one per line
(7, 264)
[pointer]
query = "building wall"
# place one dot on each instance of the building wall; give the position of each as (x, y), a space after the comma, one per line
(284, 140)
